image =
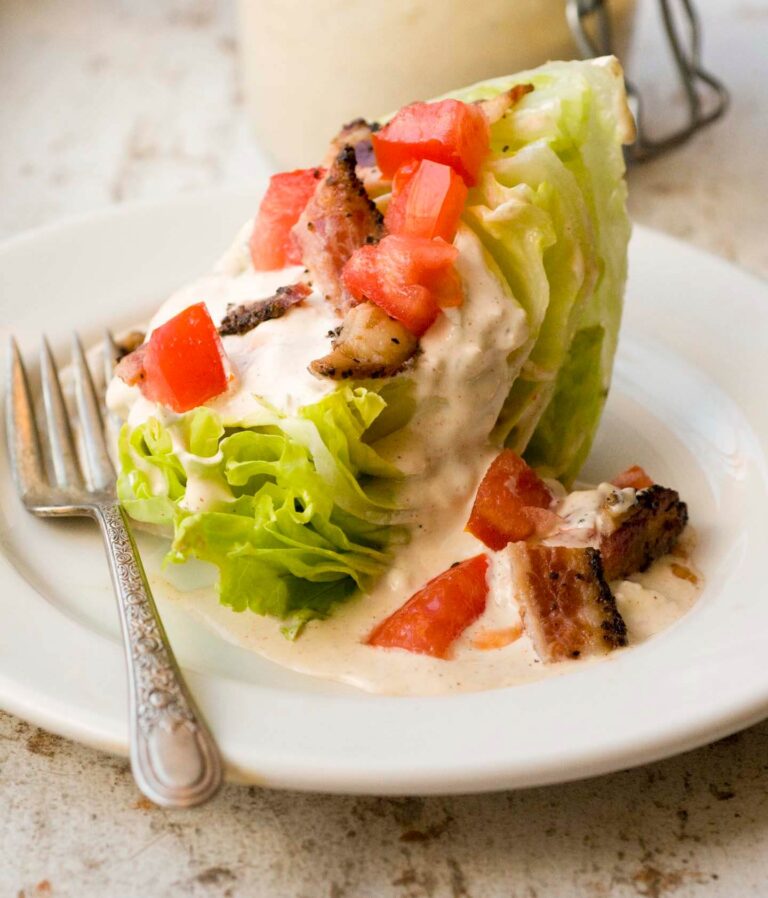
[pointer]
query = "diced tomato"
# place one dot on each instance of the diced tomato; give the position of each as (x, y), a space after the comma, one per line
(409, 277)
(635, 477)
(404, 174)
(446, 289)
(272, 244)
(184, 361)
(447, 131)
(437, 614)
(427, 201)
(507, 491)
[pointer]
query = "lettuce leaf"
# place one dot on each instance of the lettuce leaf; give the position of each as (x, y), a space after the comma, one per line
(284, 508)
(550, 208)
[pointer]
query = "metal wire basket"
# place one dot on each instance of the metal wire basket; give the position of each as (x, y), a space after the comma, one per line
(706, 96)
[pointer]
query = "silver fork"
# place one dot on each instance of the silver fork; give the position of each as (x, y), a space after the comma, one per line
(174, 759)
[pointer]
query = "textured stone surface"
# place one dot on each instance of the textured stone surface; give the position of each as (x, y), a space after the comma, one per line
(73, 824)
(104, 102)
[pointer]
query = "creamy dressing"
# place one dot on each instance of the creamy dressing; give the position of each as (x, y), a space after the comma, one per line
(334, 649)
(269, 362)
(461, 378)
(461, 375)
(589, 514)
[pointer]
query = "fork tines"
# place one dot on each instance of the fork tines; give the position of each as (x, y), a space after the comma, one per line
(75, 477)
(23, 438)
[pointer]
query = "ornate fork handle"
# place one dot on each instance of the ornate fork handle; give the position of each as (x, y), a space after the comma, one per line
(173, 756)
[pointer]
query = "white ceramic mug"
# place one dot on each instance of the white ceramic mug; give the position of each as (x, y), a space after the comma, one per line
(309, 66)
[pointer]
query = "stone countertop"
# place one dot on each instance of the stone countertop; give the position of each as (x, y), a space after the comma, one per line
(105, 102)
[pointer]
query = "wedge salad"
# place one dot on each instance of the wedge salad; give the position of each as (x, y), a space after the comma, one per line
(365, 422)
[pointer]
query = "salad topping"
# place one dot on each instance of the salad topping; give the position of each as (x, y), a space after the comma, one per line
(566, 605)
(273, 244)
(244, 317)
(411, 278)
(368, 345)
(563, 552)
(448, 131)
(508, 503)
(427, 201)
(438, 614)
(182, 366)
(339, 218)
(649, 529)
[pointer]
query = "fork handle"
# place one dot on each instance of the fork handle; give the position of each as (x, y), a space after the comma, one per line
(174, 759)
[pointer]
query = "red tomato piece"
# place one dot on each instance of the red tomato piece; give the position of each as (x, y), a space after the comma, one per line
(447, 131)
(438, 613)
(408, 277)
(404, 174)
(508, 489)
(635, 477)
(427, 201)
(446, 288)
(272, 244)
(184, 361)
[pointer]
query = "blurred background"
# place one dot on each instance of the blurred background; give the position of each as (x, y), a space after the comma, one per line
(107, 101)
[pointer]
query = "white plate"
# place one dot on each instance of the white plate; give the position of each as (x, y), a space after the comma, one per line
(688, 402)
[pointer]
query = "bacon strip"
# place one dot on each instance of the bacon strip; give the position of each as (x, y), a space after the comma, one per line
(243, 318)
(128, 343)
(355, 134)
(338, 219)
(649, 530)
(567, 608)
(130, 368)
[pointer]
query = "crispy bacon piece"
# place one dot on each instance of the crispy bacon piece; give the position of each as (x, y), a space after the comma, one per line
(128, 343)
(369, 344)
(338, 219)
(648, 530)
(496, 108)
(243, 318)
(130, 368)
(358, 134)
(568, 609)
(355, 134)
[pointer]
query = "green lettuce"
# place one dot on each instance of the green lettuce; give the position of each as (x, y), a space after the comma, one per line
(288, 509)
(550, 208)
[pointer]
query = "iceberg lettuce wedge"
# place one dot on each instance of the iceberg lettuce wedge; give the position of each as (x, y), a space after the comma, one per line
(551, 210)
